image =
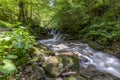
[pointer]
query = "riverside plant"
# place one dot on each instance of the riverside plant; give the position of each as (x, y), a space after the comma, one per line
(13, 46)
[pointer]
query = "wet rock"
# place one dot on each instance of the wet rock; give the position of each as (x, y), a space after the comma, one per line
(34, 51)
(49, 53)
(70, 62)
(96, 46)
(37, 58)
(53, 66)
(54, 78)
(41, 50)
(35, 72)
(114, 49)
(64, 53)
(75, 77)
(91, 73)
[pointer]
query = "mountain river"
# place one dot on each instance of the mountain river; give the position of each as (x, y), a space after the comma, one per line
(102, 62)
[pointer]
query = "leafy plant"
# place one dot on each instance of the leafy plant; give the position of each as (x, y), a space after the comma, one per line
(103, 32)
(4, 24)
(13, 45)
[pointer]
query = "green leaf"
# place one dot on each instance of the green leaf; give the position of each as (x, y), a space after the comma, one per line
(8, 66)
(7, 38)
(12, 56)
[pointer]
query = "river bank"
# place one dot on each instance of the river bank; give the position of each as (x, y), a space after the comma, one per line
(51, 59)
(66, 49)
(63, 65)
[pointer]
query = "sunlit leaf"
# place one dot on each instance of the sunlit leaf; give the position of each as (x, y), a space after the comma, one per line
(12, 56)
(7, 38)
(8, 66)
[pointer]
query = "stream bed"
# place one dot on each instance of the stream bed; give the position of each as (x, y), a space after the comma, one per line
(91, 62)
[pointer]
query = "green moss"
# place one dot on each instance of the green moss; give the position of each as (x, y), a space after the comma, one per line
(96, 46)
(75, 77)
(70, 62)
(50, 53)
(52, 67)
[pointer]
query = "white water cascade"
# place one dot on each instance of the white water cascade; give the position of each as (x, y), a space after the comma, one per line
(56, 37)
(101, 61)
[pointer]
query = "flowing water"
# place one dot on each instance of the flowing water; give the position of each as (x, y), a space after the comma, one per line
(101, 61)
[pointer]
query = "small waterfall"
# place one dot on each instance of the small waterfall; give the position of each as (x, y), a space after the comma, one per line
(56, 37)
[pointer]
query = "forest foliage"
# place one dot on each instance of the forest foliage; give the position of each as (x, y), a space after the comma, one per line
(13, 46)
(95, 20)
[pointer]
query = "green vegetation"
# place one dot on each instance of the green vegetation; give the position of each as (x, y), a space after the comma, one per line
(27, 20)
(13, 46)
(5, 24)
(91, 19)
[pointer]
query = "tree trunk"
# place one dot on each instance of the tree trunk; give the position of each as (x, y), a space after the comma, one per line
(21, 17)
(31, 11)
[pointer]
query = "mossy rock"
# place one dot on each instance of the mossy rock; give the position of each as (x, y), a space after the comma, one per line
(49, 53)
(53, 66)
(70, 62)
(35, 54)
(74, 77)
(41, 49)
(34, 72)
(37, 51)
(41, 46)
(96, 46)
(34, 51)
(114, 50)
(37, 58)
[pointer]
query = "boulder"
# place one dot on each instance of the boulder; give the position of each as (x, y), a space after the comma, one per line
(35, 72)
(53, 66)
(70, 62)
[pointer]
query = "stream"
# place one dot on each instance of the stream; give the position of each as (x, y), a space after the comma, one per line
(102, 62)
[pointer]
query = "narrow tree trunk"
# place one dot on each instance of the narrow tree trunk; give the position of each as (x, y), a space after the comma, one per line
(21, 16)
(31, 11)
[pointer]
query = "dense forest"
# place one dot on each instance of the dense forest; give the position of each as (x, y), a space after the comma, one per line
(24, 22)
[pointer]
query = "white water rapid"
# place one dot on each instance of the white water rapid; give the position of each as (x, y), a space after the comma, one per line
(101, 61)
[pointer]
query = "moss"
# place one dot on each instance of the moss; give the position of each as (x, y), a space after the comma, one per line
(75, 77)
(55, 65)
(50, 53)
(37, 51)
(96, 46)
(37, 58)
(52, 66)
(70, 62)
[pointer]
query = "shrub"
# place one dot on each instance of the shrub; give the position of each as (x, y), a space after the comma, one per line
(103, 32)
(5, 24)
(13, 45)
